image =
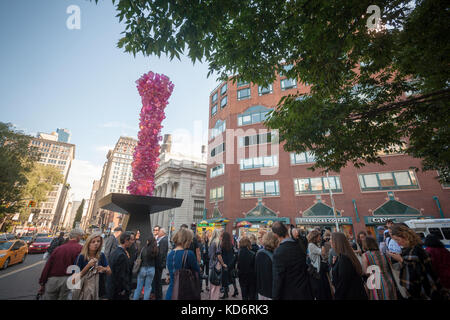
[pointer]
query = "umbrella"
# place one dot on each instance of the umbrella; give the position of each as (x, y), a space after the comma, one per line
(244, 224)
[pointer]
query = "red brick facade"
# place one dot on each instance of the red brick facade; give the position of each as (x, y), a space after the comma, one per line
(290, 205)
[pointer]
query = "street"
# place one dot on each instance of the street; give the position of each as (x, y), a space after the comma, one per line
(20, 281)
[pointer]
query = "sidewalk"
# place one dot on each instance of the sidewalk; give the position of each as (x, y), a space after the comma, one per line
(205, 293)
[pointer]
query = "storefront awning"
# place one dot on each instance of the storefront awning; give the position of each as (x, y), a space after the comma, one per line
(394, 208)
(320, 209)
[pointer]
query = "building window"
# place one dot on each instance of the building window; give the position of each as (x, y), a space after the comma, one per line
(216, 194)
(243, 94)
(265, 90)
(253, 115)
(260, 189)
(214, 110)
(218, 128)
(288, 84)
(217, 150)
(256, 139)
(224, 88)
(259, 162)
(316, 185)
(304, 157)
(199, 206)
(241, 83)
(223, 101)
(214, 97)
(217, 170)
(397, 180)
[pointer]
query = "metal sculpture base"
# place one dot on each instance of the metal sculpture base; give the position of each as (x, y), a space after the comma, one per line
(139, 209)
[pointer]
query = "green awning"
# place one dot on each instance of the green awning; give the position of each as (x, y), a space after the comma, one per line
(321, 210)
(261, 211)
(394, 207)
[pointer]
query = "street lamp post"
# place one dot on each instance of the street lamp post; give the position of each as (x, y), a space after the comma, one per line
(332, 202)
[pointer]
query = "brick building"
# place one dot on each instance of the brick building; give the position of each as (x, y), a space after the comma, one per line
(251, 178)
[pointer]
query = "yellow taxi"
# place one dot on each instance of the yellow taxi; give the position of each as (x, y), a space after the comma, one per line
(12, 252)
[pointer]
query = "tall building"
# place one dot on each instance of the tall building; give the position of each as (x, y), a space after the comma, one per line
(68, 223)
(60, 155)
(251, 178)
(87, 221)
(179, 176)
(63, 135)
(115, 177)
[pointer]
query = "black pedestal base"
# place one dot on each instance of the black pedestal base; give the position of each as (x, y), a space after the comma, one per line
(139, 209)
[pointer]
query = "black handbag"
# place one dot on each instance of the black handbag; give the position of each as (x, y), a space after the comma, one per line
(186, 284)
(215, 275)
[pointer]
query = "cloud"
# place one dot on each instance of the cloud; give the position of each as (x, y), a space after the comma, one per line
(81, 176)
(104, 149)
(117, 124)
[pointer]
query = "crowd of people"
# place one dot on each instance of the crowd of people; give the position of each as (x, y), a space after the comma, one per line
(284, 263)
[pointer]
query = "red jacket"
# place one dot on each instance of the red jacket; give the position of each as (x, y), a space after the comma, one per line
(62, 257)
(440, 259)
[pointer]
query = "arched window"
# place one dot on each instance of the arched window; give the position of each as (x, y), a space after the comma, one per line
(253, 115)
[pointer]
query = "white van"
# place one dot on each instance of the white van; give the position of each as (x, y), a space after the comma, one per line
(439, 227)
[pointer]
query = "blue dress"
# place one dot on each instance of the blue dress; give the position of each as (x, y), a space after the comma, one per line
(81, 262)
(174, 260)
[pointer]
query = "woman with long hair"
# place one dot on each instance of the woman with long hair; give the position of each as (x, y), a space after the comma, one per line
(320, 283)
(347, 270)
(228, 257)
(215, 261)
(146, 273)
(205, 257)
(91, 262)
(416, 271)
(372, 256)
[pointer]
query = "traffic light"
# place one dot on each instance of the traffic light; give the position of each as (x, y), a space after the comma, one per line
(32, 204)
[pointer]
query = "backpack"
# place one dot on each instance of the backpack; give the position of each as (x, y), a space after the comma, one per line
(186, 283)
(54, 244)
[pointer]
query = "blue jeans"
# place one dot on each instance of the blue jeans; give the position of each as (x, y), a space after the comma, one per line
(144, 279)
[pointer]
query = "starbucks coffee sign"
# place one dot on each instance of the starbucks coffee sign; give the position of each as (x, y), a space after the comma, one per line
(332, 220)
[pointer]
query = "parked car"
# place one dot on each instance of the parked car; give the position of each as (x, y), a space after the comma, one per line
(7, 236)
(40, 245)
(27, 239)
(42, 235)
(12, 252)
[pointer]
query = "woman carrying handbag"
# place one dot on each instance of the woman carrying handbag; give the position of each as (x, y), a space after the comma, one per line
(144, 267)
(183, 269)
(91, 262)
(215, 266)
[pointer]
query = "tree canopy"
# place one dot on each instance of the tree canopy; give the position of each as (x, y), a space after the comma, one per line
(16, 162)
(40, 181)
(355, 105)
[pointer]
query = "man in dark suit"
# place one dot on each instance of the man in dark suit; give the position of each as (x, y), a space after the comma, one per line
(120, 280)
(163, 247)
(290, 278)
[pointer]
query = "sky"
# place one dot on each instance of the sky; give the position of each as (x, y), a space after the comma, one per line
(55, 77)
